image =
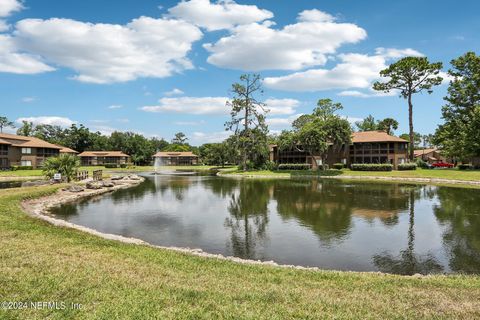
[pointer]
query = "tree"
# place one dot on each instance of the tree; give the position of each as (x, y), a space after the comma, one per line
(459, 136)
(388, 125)
(26, 129)
(417, 138)
(5, 123)
(180, 138)
(321, 130)
(217, 154)
(410, 75)
(248, 119)
(65, 164)
(78, 138)
(51, 133)
(367, 124)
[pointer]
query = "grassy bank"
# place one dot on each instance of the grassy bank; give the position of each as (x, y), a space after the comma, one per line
(39, 262)
(449, 174)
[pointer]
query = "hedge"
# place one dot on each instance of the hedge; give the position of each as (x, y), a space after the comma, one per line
(123, 165)
(294, 166)
(407, 166)
(110, 165)
(15, 168)
(465, 166)
(371, 167)
(338, 166)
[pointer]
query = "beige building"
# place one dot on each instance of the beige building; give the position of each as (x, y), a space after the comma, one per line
(431, 155)
(168, 158)
(365, 147)
(98, 158)
(25, 151)
(65, 150)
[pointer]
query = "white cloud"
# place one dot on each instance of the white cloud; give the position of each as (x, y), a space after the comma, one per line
(13, 61)
(189, 123)
(393, 53)
(219, 15)
(7, 7)
(29, 99)
(352, 120)
(190, 105)
(174, 92)
(369, 94)
(106, 53)
(282, 123)
(4, 26)
(105, 130)
(281, 106)
(51, 120)
(354, 71)
(307, 43)
(115, 106)
(210, 137)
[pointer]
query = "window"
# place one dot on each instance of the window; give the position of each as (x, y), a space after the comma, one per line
(26, 163)
(3, 150)
(26, 150)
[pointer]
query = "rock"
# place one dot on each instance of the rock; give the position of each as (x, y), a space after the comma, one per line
(94, 185)
(108, 184)
(132, 177)
(35, 183)
(74, 188)
(116, 177)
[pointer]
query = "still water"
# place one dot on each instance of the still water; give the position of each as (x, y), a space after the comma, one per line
(394, 228)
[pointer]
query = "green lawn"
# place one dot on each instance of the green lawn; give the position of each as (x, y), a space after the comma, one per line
(112, 280)
(451, 174)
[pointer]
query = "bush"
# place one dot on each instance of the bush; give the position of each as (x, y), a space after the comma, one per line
(123, 165)
(294, 166)
(407, 166)
(421, 164)
(371, 167)
(65, 164)
(270, 165)
(465, 166)
(338, 166)
(110, 165)
(15, 168)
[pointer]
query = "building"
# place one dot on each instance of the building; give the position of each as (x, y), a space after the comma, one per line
(365, 147)
(167, 158)
(65, 150)
(431, 155)
(25, 151)
(99, 158)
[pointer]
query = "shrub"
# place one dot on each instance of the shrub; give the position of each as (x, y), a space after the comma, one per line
(270, 165)
(338, 166)
(294, 166)
(123, 165)
(421, 164)
(371, 167)
(407, 166)
(110, 165)
(465, 166)
(15, 168)
(65, 164)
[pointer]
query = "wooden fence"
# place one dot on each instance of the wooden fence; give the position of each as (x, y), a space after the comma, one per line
(97, 175)
(82, 175)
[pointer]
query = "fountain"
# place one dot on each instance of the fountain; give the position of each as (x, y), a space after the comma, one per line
(159, 163)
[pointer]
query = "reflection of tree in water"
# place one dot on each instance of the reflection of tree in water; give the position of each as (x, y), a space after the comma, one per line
(134, 193)
(407, 262)
(459, 212)
(248, 218)
(327, 207)
(177, 185)
(221, 186)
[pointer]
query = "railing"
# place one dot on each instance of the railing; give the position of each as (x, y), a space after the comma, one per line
(98, 175)
(82, 175)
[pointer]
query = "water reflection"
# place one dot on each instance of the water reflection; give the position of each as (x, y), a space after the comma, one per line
(395, 228)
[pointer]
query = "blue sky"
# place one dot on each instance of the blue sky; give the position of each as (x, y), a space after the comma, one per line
(159, 67)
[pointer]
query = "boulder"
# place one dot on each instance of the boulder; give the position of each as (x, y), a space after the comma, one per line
(132, 177)
(108, 184)
(116, 177)
(94, 185)
(74, 188)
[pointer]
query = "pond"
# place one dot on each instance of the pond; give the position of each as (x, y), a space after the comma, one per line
(10, 184)
(331, 224)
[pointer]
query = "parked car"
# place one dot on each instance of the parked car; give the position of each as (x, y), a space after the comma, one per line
(443, 165)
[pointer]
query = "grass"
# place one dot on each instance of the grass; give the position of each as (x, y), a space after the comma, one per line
(112, 280)
(449, 174)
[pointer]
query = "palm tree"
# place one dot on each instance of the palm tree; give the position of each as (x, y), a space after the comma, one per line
(4, 122)
(65, 164)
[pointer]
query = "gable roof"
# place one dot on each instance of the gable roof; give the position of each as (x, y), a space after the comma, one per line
(66, 150)
(175, 154)
(374, 136)
(421, 152)
(26, 142)
(103, 154)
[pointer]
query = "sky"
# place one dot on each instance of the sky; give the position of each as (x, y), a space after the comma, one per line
(160, 67)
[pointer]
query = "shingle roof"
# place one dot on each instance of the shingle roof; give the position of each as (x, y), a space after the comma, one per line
(26, 142)
(374, 136)
(66, 150)
(175, 154)
(103, 154)
(420, 152)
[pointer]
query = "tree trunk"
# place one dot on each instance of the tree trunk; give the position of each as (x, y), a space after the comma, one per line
(244, 161)
(410, 123)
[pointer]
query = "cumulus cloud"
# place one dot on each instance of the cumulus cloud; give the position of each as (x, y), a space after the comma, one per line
(281, 106)
(7, 7)
(307, 43)
(106, 53)
(13, 61)
(282, 123)
(368, 94)
(209, 137)
(219, 15)
(51, 120)
(353, 71)
(190, 105)
(174, 92)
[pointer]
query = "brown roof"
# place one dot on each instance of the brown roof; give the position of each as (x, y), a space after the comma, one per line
(4, 142)
(66, 150)
(103, 154)
(26, 142)
(374, 136)
(175, 154)
(421, 152)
